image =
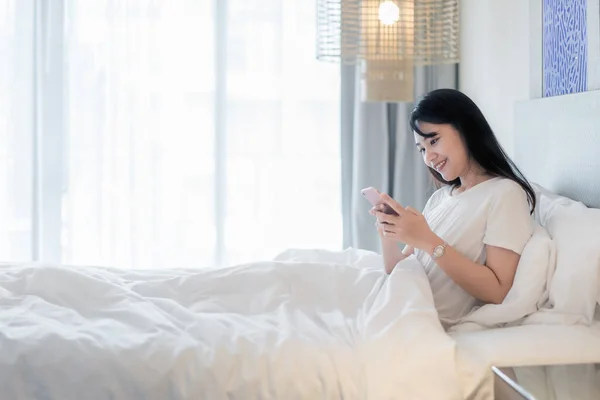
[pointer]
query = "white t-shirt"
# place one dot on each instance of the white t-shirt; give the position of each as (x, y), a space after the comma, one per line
(495, 212)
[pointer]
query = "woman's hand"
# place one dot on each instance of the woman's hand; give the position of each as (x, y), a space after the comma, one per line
(409, 226)
(380, 208)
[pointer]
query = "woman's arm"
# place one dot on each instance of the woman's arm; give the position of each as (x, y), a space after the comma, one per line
(490, 282)
(392, 254)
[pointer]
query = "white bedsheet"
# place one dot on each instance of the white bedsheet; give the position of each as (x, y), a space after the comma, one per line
(272, 330)
(525, 345)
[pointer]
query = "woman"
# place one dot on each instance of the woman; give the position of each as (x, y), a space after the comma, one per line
(474, 228)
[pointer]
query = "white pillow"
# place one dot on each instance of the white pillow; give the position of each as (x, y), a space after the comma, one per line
(550, 200)
(529, 289)
(575, 229)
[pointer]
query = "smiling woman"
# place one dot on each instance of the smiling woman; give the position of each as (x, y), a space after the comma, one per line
(450, 111)
(438, 145)
(474, 228)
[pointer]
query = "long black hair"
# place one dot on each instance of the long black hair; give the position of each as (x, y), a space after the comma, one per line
(449, 106)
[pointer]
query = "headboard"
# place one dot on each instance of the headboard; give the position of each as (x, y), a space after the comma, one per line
(558, 144)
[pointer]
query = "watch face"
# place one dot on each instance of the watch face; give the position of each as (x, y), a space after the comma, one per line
(438, 251)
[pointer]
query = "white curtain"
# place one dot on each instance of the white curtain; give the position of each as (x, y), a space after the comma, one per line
(16, 130)
(379, 150)
(190, 133)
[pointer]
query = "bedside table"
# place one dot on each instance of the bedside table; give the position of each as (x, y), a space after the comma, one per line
(545, 382)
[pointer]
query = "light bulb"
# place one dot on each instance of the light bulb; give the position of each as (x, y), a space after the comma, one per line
(389, 12)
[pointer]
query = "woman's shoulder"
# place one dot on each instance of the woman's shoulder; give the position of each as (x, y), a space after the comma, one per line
(507, 187)
(510, 195)
(498, 192)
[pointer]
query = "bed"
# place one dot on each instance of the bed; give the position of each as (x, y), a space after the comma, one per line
(308, 324)
(558, 148)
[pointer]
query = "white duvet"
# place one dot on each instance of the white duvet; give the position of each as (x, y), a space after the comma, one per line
(320, 326)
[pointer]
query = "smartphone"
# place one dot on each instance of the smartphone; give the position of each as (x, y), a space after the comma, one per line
(374, 197)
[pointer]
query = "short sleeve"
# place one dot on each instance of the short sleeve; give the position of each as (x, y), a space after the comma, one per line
(509, 223)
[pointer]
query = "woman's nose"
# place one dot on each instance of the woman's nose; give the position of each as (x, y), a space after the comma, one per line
(430, 157)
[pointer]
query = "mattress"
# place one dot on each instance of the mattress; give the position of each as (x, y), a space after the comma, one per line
(520, 346)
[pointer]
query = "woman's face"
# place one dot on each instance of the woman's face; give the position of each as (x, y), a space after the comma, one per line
(445, 152)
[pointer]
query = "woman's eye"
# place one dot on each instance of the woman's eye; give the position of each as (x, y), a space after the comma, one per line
(421, 150)
(433, 141)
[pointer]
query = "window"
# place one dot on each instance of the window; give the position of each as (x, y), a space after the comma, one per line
(190, 133)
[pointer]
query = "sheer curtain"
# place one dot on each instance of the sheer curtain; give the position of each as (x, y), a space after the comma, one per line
(16, 130)
(193, 133)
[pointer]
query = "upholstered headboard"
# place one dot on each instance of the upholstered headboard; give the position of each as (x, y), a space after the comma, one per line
(558, 144)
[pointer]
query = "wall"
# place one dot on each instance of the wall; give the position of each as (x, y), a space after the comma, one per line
(494, 68)
(502, 59)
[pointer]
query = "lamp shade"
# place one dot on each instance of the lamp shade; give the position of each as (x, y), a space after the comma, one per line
(424, 31)
(388, 38)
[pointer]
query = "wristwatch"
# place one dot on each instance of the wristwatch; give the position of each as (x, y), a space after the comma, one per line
(439, 250)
